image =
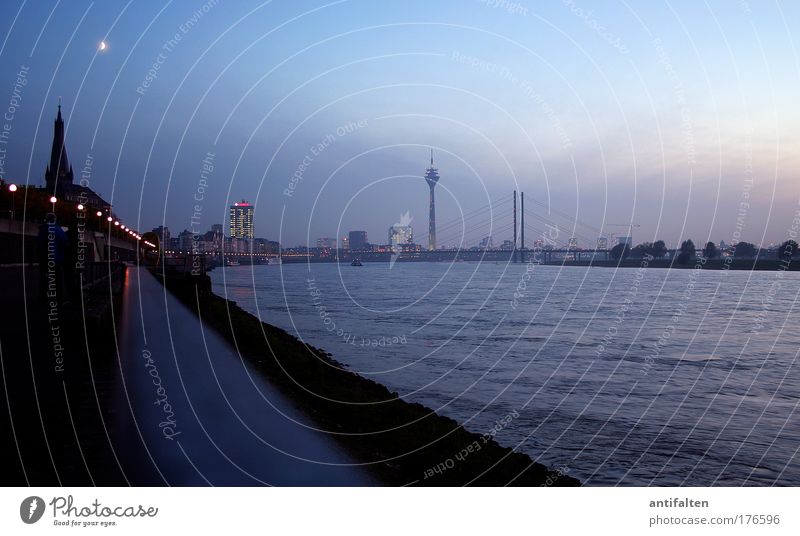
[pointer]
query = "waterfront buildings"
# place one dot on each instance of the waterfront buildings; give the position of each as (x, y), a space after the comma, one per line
(329, 243)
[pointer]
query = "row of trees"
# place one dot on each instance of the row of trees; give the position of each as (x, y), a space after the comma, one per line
(688, 251)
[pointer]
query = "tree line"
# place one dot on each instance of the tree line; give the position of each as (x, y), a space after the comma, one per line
(688, 251)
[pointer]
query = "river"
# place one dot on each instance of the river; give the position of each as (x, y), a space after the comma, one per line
(617, 377)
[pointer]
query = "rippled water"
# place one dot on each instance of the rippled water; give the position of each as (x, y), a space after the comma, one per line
(629, 376)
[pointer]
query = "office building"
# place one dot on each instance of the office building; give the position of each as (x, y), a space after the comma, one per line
(357, 240)
(401, 235)
(241, 220)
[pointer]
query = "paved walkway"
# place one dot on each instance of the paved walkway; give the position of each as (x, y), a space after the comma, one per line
(203, 416)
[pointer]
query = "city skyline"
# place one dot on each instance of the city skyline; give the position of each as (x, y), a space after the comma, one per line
(503, 108)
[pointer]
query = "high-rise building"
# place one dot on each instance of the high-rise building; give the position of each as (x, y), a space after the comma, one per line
(241, 220)
(432, 178)
(163, 234)
(217, 228)
(186, 241)
(345, 243)
(486, 243)
(573, 243)
(329, 243)
(401, 234)
(357, 240)
(602, 242)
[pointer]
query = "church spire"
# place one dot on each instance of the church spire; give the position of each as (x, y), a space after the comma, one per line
(59, 171)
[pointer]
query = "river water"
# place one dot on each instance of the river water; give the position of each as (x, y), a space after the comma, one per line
(631, 376)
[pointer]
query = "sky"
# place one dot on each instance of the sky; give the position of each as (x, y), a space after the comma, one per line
(677, 117)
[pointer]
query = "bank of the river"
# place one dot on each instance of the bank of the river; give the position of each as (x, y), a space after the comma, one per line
(761, 264)
(404, 443)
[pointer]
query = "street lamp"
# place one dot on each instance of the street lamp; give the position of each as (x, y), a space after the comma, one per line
(80, 206)
(13, 188)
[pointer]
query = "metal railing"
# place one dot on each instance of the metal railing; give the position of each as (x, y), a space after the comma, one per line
(100, 276)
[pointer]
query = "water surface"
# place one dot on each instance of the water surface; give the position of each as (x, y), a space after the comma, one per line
(618, 377)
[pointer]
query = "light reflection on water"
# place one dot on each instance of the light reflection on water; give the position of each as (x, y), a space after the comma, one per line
(634, 377)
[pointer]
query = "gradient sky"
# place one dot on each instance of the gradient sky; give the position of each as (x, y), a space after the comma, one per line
(667, 114)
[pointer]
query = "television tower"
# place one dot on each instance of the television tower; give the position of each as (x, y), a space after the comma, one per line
(432, 177)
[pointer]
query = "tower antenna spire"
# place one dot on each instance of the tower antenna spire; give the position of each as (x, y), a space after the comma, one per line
(431, 156)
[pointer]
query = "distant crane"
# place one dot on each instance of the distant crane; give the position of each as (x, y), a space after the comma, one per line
(630, 227)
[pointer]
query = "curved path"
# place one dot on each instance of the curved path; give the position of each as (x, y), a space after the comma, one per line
(202, 415)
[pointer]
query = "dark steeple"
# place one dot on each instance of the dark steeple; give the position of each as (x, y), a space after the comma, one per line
(59, 172)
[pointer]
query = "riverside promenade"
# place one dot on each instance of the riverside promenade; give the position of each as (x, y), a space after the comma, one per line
(204, 416)
(159, 401)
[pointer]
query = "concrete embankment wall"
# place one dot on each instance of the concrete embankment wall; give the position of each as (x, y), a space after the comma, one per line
(18, 244)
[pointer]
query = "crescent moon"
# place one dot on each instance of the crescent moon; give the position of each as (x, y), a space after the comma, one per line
(102, 45)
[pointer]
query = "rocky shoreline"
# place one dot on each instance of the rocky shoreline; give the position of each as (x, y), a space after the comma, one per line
(403, 443)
